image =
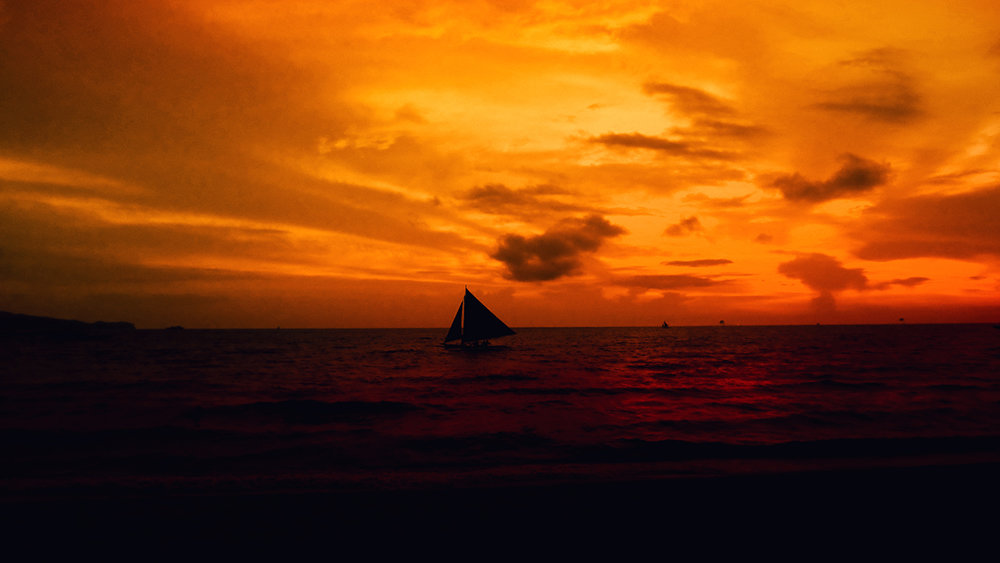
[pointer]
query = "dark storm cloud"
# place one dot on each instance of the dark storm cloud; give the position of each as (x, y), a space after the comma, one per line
(688, 100)
(556, 252)
(686, 226)
(960, 226)
(660, 144)
(699, 263)
(856, 175)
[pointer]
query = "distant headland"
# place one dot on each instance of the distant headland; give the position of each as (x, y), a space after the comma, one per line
(18, 323)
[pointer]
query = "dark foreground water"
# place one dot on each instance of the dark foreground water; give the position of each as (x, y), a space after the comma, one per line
(195, 414)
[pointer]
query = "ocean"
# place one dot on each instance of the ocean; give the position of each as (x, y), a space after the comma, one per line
(131, 416)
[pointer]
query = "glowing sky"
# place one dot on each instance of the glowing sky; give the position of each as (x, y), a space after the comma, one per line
(356, 163)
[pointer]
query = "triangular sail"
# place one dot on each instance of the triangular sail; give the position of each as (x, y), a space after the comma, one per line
(455, 332)
(480, 322)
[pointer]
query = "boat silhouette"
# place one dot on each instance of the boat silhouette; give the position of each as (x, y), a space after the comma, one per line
(474, 324)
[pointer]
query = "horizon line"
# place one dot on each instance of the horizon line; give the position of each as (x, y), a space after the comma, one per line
(718, 325)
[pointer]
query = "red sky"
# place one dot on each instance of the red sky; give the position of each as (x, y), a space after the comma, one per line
(350, 164)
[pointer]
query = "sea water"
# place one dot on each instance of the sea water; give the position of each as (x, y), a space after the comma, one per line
(279, 410)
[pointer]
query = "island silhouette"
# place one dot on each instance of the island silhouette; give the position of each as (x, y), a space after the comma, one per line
(19, 323)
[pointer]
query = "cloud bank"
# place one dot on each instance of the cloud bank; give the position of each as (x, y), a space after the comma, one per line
(960, 226)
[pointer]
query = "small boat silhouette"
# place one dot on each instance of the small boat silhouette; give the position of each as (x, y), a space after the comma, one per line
(480, 324)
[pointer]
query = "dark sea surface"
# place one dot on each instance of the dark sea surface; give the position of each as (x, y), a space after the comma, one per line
(394, 408)
(188, 413)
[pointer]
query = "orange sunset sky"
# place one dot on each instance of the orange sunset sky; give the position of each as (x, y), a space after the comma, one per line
(356, 164)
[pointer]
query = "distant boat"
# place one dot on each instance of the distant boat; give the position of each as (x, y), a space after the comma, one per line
(478, 326)
(664, 325)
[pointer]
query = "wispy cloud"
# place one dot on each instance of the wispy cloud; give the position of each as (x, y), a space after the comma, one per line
(876, 89)
(699, 263)
(905, 282)
(527, 202)
(896, 103)
(688, 100)
(716, 129)
(716, 203)
(665, 281)
(660, 144)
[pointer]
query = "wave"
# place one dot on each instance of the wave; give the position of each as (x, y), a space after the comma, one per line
(481, 443)
(637, 450)
(305, 411)
(602, 391)
(833, 383)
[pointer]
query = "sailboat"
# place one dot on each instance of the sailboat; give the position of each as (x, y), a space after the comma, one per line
(480, 324)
